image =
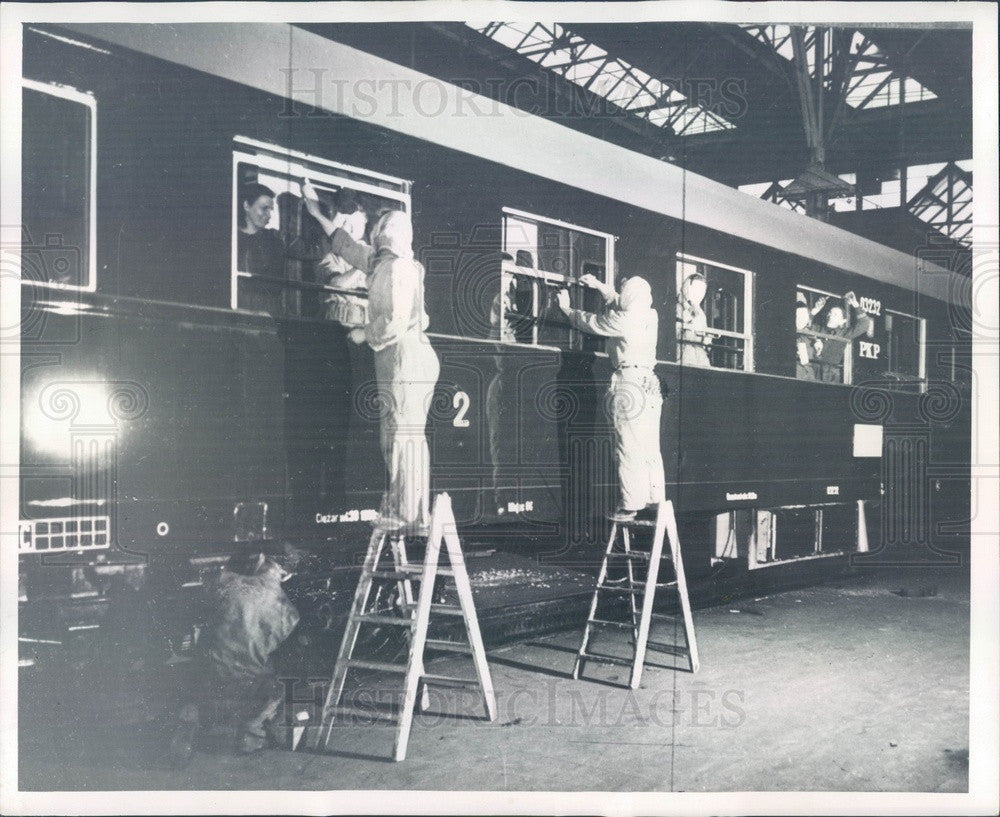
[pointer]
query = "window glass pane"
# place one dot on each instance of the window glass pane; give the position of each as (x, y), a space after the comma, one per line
(903, 333)
(553, 328)
(551, 248)
(512, 317)
(521, 241)
(725, 302)
(540, 259)
(55, 206)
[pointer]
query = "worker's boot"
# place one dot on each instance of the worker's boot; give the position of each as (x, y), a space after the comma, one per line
(252, 735)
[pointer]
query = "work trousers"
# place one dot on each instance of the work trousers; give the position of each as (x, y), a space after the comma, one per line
(636, 403)
(406, 373)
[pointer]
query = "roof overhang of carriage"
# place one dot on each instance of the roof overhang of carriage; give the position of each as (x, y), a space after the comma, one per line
(363, 86)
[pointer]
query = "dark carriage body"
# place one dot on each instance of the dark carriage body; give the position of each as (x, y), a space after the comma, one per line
(218, 427)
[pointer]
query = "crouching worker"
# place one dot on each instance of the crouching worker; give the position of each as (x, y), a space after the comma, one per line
(239, 693)
(629, 322)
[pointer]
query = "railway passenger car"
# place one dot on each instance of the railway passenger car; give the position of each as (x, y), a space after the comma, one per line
(166, 411)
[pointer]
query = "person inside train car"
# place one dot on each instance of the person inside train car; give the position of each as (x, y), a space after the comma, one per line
(844, 323)
(262, 251)
(406, 365)
(692, 338)
(807, 347)
(630, 323)
(334, 271)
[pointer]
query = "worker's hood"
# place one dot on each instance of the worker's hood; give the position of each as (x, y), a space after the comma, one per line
(636, 294)
(394, 233)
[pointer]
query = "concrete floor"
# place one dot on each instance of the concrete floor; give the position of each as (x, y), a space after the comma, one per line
(858, 686)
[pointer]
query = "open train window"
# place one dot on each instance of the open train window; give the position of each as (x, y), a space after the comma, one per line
(542, 256)
(59, 183)
(281, 264)
(905, 342)
(714, 314)
(825, 328)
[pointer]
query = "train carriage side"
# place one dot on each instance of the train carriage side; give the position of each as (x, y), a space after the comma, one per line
(764, 467)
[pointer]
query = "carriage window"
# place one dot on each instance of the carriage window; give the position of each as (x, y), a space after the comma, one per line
(820, 353)
(59, 127)
(827, 326)
(905, 348)
(542, 256)
(282, 263)
(714, 315)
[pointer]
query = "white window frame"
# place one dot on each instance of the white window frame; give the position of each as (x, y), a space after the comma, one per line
(261, 155)
(922, 350)
(747, 336)
(88, 100)
(553, 277)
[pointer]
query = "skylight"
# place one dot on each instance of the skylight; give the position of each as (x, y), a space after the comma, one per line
(945, 202)
(872, 84)
(943, 198)
(630, 88)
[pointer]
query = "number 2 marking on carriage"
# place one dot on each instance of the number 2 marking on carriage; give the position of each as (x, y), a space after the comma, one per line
(461, 402)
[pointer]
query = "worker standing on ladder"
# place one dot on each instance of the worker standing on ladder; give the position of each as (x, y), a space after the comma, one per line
(630, 324)
(406, 365)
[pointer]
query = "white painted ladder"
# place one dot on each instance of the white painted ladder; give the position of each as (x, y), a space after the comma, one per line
(633, 588)
(417, 618)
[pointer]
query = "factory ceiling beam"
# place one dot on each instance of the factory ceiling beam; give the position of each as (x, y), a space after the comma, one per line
(569, 92)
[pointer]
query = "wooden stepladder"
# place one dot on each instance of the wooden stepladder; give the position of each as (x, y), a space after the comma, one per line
(417, 613)
(633, 587)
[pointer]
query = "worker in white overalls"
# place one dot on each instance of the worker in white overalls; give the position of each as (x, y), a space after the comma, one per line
(406, 366)
(629, 322)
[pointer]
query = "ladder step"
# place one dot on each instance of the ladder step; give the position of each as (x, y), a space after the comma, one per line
(381, 666)
(411, 573)
(450, 681)
(393, 575)
(439, 609)
(369, 714)
(601, 622)
(632, 522)
(611, 588)
(635, 555)
(375, 618)
(448, 646)
(601, 658)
